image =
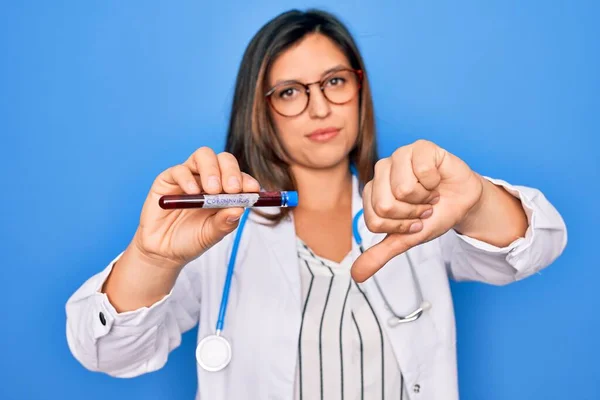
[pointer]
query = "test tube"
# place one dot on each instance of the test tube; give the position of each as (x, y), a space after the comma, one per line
(229, 200)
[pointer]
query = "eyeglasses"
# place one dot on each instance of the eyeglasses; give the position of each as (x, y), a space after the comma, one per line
(291, 98)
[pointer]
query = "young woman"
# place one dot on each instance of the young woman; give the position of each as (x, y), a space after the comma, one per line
(309, 316)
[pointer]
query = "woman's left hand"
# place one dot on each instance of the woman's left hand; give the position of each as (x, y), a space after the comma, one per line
(416, 195)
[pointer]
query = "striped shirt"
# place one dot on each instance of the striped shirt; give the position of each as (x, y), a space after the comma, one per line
(343, 350)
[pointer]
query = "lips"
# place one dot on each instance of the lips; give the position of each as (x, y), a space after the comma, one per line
(323, 135)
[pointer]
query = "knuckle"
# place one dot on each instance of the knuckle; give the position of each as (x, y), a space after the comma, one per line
(204, 151)
(249, 179)
(203, 154)
(367, 189)
(422, 142)
(228, 160)
(373, 224)
(178, 171)
(381, 164)
(166, 172)
(414, 213)
(403, 190)
(226, 156)
(383, 207)
(404, 226)
(163, 176)
(423, 169)
(400, 152)
(179, 168)
(369, 224)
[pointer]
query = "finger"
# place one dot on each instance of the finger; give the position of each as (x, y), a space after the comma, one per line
(204, 163)
(231, 176)
(425, 163)
(249, 184)
(181, 176)
(222, 223)
(382, 198)
(375, 258)
(377, 224)
(404, 184)
(383, 202)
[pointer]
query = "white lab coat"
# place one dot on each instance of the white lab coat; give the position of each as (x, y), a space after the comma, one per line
(263, 318)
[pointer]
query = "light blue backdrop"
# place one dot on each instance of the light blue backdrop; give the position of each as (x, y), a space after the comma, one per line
(97, 97)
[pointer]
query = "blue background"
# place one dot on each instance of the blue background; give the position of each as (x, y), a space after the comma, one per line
(97, 97)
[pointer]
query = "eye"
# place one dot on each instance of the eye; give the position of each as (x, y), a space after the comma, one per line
(336, 81)
(287, 93)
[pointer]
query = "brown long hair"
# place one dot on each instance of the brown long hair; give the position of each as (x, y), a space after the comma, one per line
(252, 138)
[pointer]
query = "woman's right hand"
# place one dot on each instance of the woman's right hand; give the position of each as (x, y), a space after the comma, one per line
(172, 238)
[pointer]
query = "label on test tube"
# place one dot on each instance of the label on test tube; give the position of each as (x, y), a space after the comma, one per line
(230, 200)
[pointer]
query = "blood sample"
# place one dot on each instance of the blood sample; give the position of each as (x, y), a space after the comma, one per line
(229, 200)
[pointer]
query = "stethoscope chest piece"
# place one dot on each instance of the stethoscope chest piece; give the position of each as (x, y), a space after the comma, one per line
(213, 353)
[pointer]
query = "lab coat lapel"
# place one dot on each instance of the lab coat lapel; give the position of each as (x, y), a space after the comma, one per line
(281, 243)
(285, 312)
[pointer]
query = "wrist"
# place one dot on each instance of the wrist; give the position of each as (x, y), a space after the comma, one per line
(150, 259)
(472, 215)
(138, 280)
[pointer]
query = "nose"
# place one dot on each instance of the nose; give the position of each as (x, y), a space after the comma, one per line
(318, 106)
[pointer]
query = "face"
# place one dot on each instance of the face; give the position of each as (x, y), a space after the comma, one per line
(324, 133)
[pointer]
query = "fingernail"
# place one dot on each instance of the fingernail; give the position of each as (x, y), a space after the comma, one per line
(426, 213)
(232, 220)
(234, 183)
(415, 227)
(213, 183)
(192, 186)
(435, 200)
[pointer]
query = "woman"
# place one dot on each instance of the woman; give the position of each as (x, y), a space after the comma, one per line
(309, 316)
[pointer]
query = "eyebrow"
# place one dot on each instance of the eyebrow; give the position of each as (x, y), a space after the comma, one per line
(323, 74)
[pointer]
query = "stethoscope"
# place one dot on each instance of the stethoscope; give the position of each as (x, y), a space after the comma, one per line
(213, 353)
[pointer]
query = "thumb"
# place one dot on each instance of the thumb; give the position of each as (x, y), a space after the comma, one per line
(375, 258)
(220, 224)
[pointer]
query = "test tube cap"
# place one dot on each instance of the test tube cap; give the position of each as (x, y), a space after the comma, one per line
(292, 199)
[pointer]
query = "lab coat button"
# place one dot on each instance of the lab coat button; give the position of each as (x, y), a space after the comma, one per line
(102, 318)
(417, 388)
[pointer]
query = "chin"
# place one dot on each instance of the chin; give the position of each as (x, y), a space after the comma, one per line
(326, 161)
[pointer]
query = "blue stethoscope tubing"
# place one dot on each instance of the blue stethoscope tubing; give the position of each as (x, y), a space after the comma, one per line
(213, 353)
(230, 268)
